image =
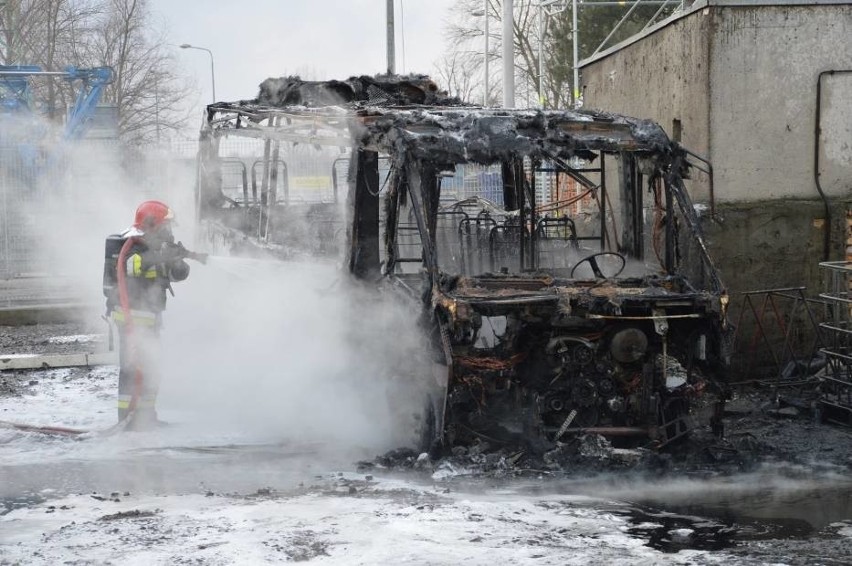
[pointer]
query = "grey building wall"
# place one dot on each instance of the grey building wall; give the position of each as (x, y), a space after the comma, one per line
(741, 77)
(835, 130)
(765, 65)
(742, 82)
(765, 62)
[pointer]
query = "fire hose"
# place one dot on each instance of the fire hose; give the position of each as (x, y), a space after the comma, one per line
(124, 303)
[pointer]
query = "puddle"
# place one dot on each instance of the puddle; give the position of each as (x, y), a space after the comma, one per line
(727, 514)
(10, 503)
(787, 504)
(671, 532)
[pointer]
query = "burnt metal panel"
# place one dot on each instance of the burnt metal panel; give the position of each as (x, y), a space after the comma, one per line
(632, 238)
(364, 259)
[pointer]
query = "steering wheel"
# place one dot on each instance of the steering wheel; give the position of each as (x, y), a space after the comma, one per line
(593, 263)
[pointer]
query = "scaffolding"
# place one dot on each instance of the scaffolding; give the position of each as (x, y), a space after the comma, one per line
(836, 391)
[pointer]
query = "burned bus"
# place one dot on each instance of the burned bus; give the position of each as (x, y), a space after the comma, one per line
(555, 255)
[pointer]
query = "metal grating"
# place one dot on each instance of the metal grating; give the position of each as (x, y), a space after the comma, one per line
(836, 390)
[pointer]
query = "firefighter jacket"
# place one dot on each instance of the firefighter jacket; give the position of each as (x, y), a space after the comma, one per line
(151, 268)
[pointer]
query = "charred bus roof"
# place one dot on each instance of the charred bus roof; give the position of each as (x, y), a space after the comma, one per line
(385, 114)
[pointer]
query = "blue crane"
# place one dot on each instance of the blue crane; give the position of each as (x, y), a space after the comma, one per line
(16, 95)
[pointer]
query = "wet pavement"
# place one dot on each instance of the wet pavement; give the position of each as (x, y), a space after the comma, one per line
(55, 338)
(781, 510)
(768, 508)
(783, 514)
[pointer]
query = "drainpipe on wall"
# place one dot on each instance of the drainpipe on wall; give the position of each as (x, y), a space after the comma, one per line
(826, 252)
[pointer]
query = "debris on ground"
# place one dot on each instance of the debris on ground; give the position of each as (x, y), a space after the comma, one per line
(758, 430)
(54, 338)
(132, 514)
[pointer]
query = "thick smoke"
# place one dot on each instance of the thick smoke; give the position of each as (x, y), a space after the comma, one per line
(290, 351)
(278, 350)
(61, 200)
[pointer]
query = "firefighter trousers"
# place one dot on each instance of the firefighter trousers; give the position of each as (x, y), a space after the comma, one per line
(139, 373)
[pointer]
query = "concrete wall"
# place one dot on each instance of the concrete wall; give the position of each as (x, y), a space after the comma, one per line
(755, 243)
(765, 61)
(771, 245)
(765, 64)
(664, 78)
(835, 140)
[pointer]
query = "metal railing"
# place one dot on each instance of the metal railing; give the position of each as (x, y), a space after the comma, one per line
(836, 391)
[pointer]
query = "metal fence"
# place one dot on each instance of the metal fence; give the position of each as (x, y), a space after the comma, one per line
(304, 174)
(19, 191)
(45, 191)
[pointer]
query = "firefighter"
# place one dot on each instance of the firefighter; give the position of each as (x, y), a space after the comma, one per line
(140, 265)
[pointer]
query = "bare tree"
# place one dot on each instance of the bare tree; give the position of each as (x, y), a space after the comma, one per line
(465, 39)
(121, 34)
(456, 74)
(61, 21)
(8, 41)
(554, 35)
(16, 23)
(146, 90)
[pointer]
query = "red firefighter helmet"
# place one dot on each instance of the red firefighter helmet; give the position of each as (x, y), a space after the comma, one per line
(152, 214)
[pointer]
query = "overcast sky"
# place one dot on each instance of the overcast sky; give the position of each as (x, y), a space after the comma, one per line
(317, 39)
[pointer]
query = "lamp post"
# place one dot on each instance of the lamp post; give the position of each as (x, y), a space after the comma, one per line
(391, 38)
(575, 40)
(484, 12)
(212, 71)
(508, 54)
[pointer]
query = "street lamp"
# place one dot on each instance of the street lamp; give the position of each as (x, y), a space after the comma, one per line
(212, 72)
(484, 12)
(508, 54)
(508, 51)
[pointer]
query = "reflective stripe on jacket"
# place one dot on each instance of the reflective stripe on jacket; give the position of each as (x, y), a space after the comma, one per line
(145, 401)
(144, 318)
(134, 268)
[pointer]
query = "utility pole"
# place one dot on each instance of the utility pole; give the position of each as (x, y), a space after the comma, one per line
(391, 39)
(508, 54)
(575, 39)
(485, 13)
(541, 55)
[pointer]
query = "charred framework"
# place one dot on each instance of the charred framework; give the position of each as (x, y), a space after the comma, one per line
(535, 333)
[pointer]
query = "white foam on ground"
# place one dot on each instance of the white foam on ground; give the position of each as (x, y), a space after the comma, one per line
(385, 521)
(382, 523)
